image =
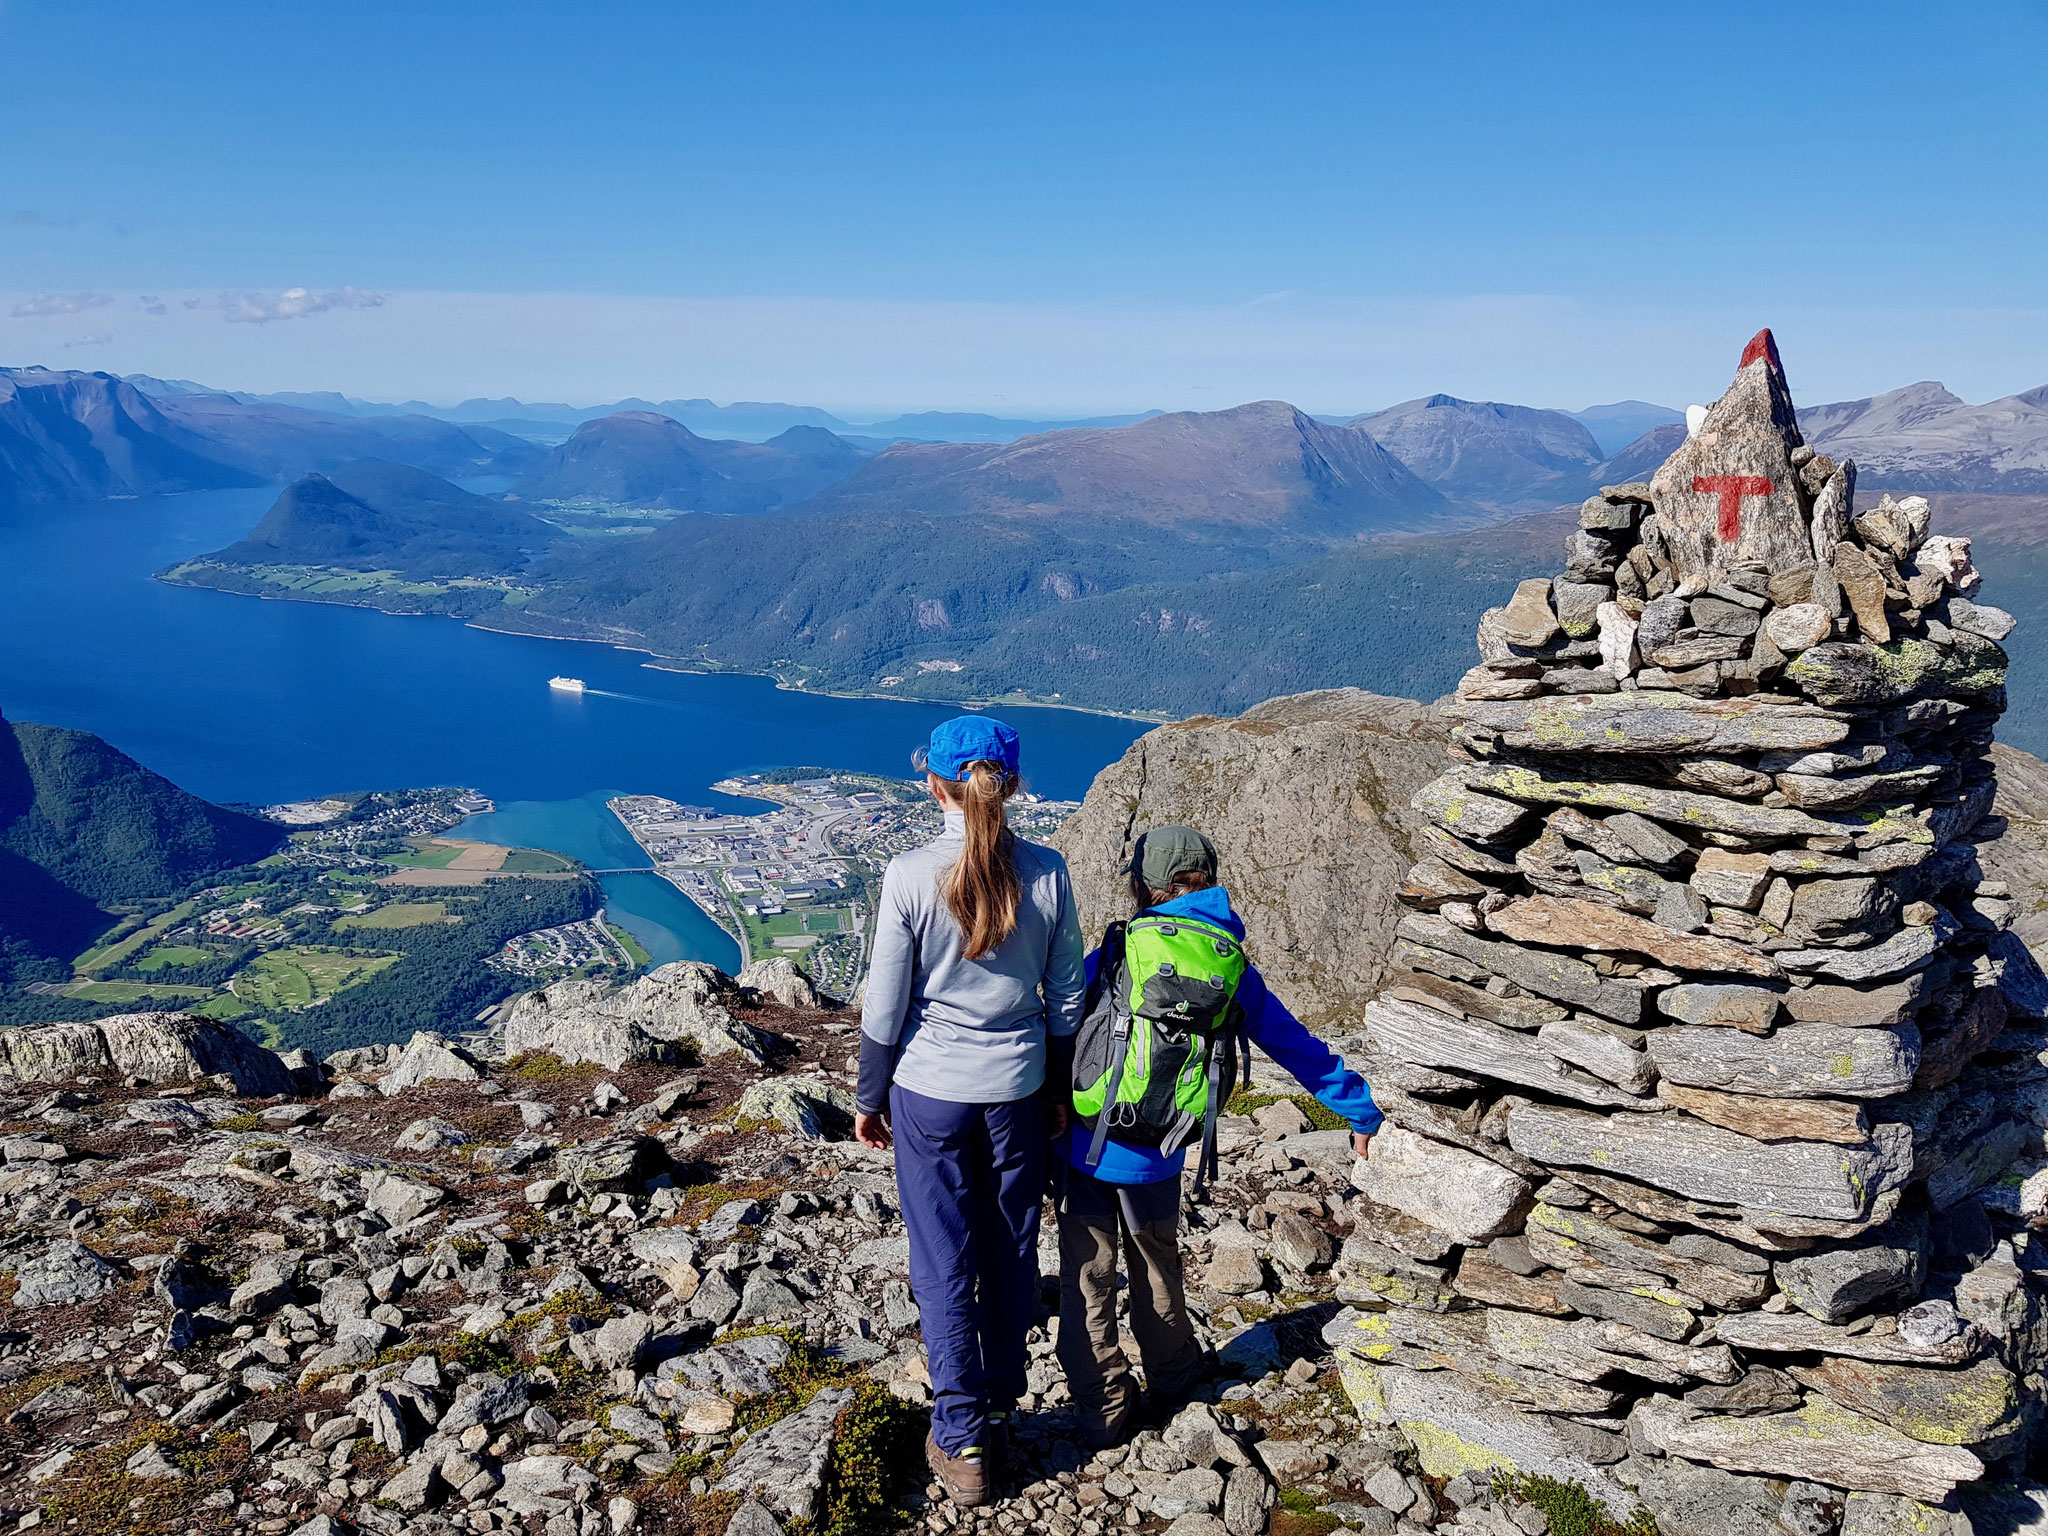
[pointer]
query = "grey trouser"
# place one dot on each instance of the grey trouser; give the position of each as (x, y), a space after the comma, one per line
(1093, 1215)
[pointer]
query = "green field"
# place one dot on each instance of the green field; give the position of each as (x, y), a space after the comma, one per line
(534, 861)
(224, 1005)
(397, 914)
(173, 954)
(782, 923)
(107, 955)
(332, 582)
(631, 945)
(823, 920)
(425, 858)
(131, 991)
(299, 977)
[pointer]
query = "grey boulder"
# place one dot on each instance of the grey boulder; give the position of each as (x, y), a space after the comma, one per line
(64, 1273)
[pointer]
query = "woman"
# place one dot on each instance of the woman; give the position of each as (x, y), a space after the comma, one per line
(1127, 1191)
(975, 979)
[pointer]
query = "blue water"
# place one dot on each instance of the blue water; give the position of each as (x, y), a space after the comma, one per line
(241, 699)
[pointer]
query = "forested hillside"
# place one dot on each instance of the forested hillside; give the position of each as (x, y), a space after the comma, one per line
(82, 824)
(106, 826)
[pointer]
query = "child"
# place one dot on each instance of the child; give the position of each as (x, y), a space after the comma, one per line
(1129, 1188)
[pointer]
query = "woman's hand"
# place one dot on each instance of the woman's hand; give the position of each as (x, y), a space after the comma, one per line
(1057, 1121)
(873, 1131)
(1361, 1143)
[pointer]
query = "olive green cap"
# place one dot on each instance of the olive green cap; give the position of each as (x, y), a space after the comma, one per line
(1165, 852)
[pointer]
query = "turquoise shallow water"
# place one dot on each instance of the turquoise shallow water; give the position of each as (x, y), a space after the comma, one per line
(668, 923)
(240, 699)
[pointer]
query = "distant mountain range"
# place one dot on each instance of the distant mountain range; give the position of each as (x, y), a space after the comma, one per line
(1482, 451)
(85, 437)
(745, 420)
(644, 459)
(67, 437)
(1265, 466)
(1615, 426)
(82, 824)
(1924, 438)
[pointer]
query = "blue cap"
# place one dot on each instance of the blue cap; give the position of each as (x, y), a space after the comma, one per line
(967, 739)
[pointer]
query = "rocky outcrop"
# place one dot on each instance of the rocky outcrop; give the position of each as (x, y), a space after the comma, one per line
(681, 1010)
(155, 1047)
(428, 1058)
(1307, 800)
(781, 980)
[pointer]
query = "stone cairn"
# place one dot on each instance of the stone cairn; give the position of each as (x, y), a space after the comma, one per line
(1708, 1050)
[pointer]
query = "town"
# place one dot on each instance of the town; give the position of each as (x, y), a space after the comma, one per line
(803, 878)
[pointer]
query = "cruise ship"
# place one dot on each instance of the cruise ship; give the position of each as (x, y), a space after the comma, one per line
(566, 684)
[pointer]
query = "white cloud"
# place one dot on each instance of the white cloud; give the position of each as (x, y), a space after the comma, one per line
(28, 218)
(59, 304)
(150, 304)
(96, 339)
(293, 304)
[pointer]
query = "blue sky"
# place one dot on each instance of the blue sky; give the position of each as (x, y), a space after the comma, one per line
(1027, 207)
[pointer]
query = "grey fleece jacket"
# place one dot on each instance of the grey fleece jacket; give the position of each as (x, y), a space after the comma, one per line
(968, 1031)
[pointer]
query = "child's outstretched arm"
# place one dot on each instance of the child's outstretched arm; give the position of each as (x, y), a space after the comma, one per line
(1311, 1062)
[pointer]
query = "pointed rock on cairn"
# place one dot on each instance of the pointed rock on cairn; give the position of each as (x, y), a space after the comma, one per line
(1703, 976)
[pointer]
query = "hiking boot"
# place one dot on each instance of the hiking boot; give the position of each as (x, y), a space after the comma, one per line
(963, 1477)
(1101, 1431)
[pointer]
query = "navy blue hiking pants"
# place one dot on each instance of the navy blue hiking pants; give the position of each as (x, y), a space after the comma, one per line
(970, 1178)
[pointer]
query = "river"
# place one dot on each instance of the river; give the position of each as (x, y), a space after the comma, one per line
(247, 700)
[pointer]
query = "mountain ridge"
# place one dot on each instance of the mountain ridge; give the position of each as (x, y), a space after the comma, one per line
(373, 513)
(646, 459)
(83, 824)
(1264, 464)
(1487, 452)
(85, 437)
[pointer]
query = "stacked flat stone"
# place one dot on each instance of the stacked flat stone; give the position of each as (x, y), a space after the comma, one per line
(1709, 1049)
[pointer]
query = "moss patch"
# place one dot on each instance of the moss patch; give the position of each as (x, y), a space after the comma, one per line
(96, 1494)
(546, 1067)
(1571, 1509)
(1243, 1103)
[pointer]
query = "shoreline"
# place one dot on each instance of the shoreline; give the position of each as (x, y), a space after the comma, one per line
(659, 663)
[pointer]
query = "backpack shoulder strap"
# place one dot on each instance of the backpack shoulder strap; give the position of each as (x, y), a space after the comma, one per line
(1109, 959)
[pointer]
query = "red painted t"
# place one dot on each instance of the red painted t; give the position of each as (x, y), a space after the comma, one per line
(1731, 489)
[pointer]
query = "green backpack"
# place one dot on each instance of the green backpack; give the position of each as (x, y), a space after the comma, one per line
(1154, 1059)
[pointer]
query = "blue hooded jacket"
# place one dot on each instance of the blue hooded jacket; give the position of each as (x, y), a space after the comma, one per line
(1269, 1026)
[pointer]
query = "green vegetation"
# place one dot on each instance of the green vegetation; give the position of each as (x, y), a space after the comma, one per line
(173, 954)
(424, 855)
(1299, 1516)
(129, 993)
(534, 861)
(302, 976)
(439, 980)
(1572, 1510)
(96, 1492)
(630, 945)
(396, 914)
(1243, 1102)
(874, 1437)
(545, 1067)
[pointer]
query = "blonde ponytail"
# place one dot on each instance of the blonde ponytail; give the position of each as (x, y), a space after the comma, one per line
(981, 887)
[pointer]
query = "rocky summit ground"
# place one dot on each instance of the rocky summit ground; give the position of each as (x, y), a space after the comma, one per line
(430, 1291)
